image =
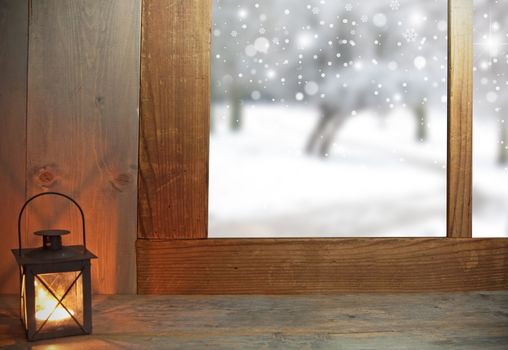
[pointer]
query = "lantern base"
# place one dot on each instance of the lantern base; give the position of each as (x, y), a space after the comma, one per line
(61, 334)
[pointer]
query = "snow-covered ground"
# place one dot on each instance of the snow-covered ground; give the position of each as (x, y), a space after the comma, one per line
(377, 181)
(490, 182)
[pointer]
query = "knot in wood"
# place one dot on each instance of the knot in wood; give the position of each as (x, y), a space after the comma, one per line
(46, 177)
(121, 181)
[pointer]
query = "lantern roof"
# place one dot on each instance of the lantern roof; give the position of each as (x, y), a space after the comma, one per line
(32, 256)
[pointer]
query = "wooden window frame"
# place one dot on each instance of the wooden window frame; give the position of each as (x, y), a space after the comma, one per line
(174, 255)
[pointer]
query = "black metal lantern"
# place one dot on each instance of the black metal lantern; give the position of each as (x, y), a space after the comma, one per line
(55, 283)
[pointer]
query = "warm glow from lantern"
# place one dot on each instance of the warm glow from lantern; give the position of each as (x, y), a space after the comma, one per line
(46, 303)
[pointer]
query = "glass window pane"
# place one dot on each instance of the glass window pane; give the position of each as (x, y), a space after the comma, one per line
(328, 118)
(490, 127)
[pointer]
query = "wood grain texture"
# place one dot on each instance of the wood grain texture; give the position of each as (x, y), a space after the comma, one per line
(297, 266)
(434, 321)
(83, 127)
(13, 77)
(175, 115)
(460, 118)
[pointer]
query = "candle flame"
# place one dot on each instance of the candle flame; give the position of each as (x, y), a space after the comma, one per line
(46, 303)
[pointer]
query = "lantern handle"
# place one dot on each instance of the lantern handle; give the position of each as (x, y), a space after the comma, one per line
(55, 194)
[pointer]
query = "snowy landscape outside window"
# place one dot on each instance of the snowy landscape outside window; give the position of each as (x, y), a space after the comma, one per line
(490, 124)
(328, 118)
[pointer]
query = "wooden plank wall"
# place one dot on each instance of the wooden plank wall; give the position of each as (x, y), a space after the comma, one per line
(13, 63)
(82, 128)
(175, 114)
(83, 125)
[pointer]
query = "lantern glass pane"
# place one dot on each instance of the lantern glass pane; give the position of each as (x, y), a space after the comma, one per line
(23, 303)
(58, 302)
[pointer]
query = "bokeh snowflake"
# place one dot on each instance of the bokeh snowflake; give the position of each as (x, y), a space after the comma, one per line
(348, 7)
(394, 5)
(410, 35)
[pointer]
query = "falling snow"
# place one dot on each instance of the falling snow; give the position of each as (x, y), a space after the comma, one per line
(410, 35)
(394, 5)
(351, 58)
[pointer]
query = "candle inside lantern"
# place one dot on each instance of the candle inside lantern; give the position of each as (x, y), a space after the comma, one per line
(46, 306)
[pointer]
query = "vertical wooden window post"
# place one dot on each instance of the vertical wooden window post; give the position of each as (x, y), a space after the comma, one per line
(460, 119)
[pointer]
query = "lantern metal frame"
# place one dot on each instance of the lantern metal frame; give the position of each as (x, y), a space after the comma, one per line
(30, 267)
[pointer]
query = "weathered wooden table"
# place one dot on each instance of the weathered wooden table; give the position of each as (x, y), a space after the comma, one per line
(362, 321)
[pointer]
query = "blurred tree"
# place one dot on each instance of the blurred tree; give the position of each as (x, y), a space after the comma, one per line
(278, 52)
(503, 144)
(491, 64)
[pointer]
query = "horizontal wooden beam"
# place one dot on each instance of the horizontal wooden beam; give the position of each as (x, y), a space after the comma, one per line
(281, 266)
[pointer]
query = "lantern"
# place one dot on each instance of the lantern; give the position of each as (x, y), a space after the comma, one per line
(55, 284)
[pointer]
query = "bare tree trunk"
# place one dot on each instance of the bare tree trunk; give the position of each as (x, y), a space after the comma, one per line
(421, 123)
(331, 130)
(317, 133)
(236, 110)
(212, 119)
(502, 157)
(213, 107)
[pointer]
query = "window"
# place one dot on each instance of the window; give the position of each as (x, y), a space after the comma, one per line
(172, 240)
(490, 192)
(328, 119)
